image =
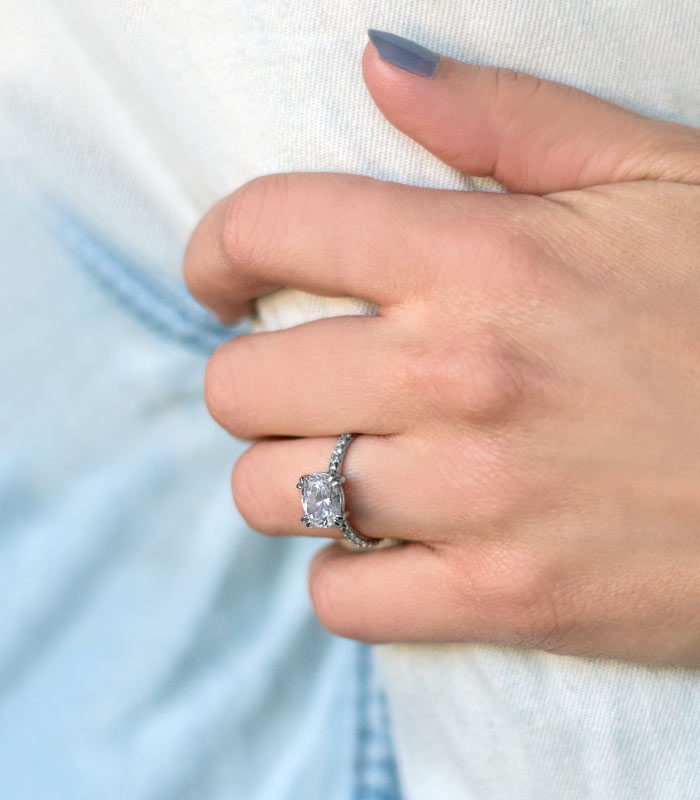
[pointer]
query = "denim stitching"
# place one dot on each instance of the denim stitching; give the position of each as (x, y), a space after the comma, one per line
(158, 301)
(376, 775)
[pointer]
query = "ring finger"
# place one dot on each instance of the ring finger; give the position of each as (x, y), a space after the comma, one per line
(388, 494)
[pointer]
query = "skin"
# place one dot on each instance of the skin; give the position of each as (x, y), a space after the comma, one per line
(529, 393)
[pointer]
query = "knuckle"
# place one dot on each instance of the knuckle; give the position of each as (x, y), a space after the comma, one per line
(520, 594)
(511, 84)
(476, 386)
(249, 216)
(516, 96)
(495, 385)
(227, 396)
(684, 164)
(521, 278)
(517, 261)
(247, 478)
(509, 259)
(530, 603)
(513, 240)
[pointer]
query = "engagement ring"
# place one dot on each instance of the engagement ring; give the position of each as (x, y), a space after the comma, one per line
(323, 498)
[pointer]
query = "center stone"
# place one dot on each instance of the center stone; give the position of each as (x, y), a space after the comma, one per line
(322, 498)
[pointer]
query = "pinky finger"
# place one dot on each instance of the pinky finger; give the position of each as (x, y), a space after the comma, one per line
(401, 593)
(413, 592)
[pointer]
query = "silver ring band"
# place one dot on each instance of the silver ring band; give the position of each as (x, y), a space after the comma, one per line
(323, 498)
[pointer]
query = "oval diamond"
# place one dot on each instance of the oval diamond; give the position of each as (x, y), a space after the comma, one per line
(322, 498)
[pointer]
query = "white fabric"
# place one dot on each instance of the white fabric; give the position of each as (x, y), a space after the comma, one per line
(192, 98)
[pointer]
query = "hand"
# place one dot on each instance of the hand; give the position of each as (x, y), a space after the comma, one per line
(529, 393)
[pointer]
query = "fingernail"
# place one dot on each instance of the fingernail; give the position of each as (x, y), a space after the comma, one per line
(404, 53)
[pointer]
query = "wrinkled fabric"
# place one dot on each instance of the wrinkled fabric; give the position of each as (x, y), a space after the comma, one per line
(151, 646)
(152, 641)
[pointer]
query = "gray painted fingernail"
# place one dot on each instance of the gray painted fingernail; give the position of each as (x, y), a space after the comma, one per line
(404, 53)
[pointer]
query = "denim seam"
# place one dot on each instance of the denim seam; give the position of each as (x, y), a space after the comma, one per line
(374, 756)
(156, 300)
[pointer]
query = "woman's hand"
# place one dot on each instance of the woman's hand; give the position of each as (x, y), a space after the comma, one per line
(529, 392)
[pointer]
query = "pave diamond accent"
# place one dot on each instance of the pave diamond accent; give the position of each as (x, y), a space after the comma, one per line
(322, 498)
(339, 451)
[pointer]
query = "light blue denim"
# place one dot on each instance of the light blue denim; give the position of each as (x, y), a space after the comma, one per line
(152, 646)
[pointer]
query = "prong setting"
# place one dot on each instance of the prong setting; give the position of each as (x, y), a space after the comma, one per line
(323, 498)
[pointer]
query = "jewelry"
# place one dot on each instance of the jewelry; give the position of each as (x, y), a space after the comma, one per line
(323, 498)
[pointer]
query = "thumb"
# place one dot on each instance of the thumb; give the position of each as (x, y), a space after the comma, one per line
(532, 135)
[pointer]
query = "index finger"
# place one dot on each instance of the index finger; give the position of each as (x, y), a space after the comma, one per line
(331, 234)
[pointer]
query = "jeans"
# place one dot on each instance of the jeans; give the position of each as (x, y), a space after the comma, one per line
(152, 646)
